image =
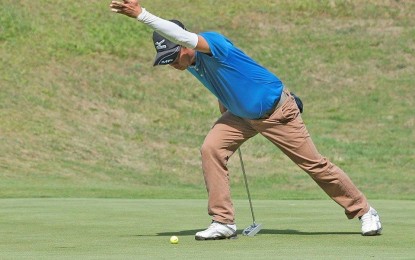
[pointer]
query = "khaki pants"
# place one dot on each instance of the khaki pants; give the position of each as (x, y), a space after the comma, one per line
(284, 128)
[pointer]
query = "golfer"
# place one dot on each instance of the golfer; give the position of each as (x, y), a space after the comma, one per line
(252, 100)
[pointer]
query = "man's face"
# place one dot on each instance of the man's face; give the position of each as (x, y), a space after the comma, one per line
(183, 60)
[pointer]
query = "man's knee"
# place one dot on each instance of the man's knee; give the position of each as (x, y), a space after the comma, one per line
(212, 151)
(208, 148)
(318, 169)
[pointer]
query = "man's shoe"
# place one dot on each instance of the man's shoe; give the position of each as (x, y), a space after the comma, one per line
(216, 231)
(371, 225)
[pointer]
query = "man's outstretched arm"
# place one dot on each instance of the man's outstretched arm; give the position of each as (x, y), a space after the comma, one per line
(170, 30)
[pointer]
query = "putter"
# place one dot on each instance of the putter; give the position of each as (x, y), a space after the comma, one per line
(253, 229)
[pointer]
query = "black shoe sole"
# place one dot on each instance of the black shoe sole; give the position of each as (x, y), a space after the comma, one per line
(215, 238)
(373, 233)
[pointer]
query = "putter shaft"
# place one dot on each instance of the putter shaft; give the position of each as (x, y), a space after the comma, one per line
(246, 185)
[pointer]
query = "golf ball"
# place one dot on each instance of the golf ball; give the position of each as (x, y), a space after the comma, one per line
(174, 240)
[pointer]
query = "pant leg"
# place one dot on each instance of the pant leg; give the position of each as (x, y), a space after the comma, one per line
(286, 129)
(227, 134)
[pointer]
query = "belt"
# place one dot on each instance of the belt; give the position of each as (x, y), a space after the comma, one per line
(277, 105)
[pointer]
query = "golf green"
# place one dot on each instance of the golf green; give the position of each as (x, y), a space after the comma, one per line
(141, 229)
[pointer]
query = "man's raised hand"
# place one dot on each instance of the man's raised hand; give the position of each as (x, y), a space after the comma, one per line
(131, 8)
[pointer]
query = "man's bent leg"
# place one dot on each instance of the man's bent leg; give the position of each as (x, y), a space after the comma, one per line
(286, 129)
(228, 133)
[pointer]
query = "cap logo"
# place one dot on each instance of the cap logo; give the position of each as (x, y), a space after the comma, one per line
(159, 45)
(166, 61)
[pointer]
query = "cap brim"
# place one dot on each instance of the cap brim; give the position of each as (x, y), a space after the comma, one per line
(166, 57)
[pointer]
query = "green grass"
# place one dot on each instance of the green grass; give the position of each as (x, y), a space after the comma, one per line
(140, 229)
(93, 139)
(84, 114)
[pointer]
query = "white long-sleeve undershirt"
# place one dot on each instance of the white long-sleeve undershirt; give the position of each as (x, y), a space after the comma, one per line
(168, 29)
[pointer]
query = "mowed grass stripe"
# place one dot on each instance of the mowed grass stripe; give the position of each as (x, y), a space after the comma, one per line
(140, 229)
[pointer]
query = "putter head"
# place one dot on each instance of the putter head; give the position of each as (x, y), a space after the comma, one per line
(252, 230)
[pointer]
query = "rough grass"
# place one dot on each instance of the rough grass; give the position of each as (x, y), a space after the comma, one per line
(84, 114)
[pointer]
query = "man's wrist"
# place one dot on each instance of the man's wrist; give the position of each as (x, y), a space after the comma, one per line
(141, 16)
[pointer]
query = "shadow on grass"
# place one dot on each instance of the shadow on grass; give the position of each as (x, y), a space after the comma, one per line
(263, 232)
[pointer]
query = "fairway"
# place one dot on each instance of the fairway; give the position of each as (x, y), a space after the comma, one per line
(140, 229)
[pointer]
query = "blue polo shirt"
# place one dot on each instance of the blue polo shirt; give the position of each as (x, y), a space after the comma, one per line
(244, 87)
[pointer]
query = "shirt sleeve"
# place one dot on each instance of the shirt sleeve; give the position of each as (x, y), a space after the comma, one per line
(219, 45)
